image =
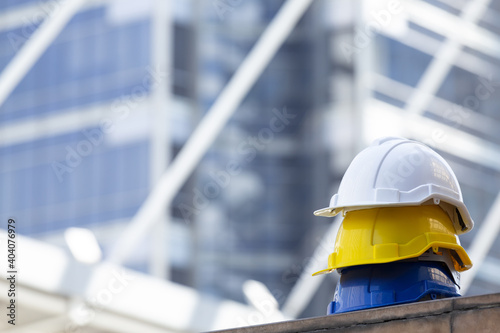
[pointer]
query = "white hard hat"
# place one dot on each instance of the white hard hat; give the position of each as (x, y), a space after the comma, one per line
(400, 172)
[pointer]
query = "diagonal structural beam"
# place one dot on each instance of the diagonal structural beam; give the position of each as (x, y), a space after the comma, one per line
(33, 49)
(209, 128)
(436, 72)
(160, 151)
(482, 242)
(456, 142)
(480, 123)
(424, 92)
(306, 286)
(448, 24)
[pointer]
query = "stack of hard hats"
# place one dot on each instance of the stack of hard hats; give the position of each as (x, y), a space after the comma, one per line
(398, 242)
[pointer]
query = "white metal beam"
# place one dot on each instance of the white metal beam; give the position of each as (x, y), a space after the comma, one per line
(387, 119)
(428, 45)
(67, 121)
(160, 141)
(436, 72)
(28, 14)
(475, 121)
(461, 28)
(490, 271)
(306, 286)
(210, 126)
(28, 55)
(111, 291)
(482, 242)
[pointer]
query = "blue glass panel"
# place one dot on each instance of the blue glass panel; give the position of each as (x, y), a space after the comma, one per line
(91, 61)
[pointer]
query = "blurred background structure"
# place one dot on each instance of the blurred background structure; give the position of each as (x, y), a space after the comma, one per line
(88, 131)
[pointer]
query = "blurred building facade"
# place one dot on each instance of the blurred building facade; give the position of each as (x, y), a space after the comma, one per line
(255, 227)
(76, 150)
(75, 136)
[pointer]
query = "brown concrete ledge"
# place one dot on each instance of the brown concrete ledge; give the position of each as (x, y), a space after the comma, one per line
(475, 314)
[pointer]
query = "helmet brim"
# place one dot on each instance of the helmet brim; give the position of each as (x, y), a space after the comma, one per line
(457, 211)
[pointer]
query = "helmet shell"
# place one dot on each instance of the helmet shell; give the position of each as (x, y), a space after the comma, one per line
(400, 172)
(387, 234)
(371, 286)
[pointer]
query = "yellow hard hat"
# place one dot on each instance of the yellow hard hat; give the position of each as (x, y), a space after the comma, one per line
(381, 235)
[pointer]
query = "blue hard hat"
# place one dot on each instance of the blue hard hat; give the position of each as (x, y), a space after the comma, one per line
(370, 286)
